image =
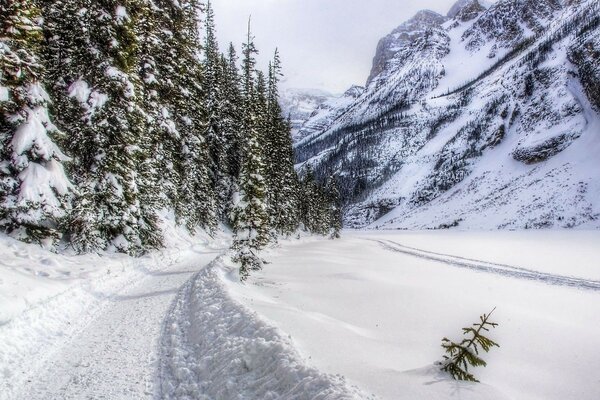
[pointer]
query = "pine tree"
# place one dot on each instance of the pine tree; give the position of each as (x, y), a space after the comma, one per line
(466, 353)
(335, 208)
(196, 203)
(250, 216)
(34, 190)
(219, 130)
(283, 199)
(233, 108)
(94, 53)
(158, 66)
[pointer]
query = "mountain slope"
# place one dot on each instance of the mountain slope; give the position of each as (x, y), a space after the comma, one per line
(489, 120)
(300, 104)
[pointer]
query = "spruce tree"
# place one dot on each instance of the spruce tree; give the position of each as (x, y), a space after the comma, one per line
(219, 130)
(283, 180)
(196, 203)
(34, 190)
(94, 53)
(250, 216)
(459, 356)
(233, 109)
(335, 207)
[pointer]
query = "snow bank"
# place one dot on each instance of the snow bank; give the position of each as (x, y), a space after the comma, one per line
(215, 348)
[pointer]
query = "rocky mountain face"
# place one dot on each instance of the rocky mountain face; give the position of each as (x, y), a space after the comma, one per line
(300, 104)
(402, 36)
(326, 113)
(487, 118)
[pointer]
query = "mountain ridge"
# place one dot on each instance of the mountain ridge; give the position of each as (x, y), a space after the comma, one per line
(493, 99)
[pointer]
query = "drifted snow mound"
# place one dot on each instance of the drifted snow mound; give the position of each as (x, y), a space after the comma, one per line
(215, 348)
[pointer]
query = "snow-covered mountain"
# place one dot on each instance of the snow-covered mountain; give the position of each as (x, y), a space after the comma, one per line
(326, 113)
(300, 104)
(486, 118)
(406, 33)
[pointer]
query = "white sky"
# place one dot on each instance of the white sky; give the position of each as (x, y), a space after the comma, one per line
(324, 44)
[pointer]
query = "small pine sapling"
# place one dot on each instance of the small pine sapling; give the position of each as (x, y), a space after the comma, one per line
(459, 356)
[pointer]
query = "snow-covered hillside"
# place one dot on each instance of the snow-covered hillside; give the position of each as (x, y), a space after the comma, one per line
(488, 120)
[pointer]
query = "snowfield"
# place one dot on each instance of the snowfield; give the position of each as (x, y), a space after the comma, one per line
(374, 307)
(357, 318)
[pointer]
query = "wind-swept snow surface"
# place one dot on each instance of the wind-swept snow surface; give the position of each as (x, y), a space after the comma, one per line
(374, 307)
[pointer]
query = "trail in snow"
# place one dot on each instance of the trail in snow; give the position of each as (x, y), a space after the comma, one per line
(216, 348)
(116, 355)
(490, 267)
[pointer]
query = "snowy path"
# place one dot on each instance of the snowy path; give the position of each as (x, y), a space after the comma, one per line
(216, 348)
(116, 355)
(489, 267)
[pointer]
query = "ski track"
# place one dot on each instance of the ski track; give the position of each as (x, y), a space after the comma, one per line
(490, 267)
(116, 355)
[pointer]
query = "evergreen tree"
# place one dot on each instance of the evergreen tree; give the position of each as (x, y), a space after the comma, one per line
(196, 203)
(466, 353)
(34, 190)
(233, 109)
(335, 207)
(320, 210)
(219, 130)
(250, 217)
(95, 64)
(283, 194)
(156, 119)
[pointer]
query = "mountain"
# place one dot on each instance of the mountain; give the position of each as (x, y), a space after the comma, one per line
(326, 113)
(402, 36)
(300, 104)
(489, 119)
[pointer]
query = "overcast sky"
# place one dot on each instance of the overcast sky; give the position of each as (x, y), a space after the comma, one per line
(324, 44)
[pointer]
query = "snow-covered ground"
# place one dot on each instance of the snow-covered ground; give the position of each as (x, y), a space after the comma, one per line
(374, 306)
(74, 327)
(357, 318)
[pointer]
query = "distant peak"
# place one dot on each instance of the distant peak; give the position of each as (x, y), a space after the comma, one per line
(354, 91)
(460, 5)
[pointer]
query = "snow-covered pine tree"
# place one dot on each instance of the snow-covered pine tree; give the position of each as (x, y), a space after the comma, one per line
(315, 205)
(218, 131)
(335, 207)
(250, 216)
(34, 190)
(158, 65)
(94, 54)
(283, 180)
(196, 205)
(232, 120)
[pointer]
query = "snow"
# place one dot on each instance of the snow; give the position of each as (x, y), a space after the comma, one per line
(3, 93)
(361, 317)
(462, 65)
(215, 348)
(32, 134)
(79, 326)
(90, 100)
(121, 14)
(39, 183)
(366, 308)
